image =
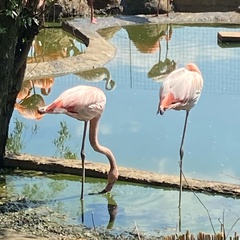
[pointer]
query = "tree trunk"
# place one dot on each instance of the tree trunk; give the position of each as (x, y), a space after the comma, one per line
(16, 37)
(8, 39)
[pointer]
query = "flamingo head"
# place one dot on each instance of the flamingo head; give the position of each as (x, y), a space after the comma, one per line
(112, 178)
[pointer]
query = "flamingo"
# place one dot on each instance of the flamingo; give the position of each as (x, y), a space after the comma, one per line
(85, 103)
(181, 91)
(93, 19)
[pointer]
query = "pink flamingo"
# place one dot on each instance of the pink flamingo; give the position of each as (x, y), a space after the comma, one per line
(93, 19)
(85, 103)
(181, 90)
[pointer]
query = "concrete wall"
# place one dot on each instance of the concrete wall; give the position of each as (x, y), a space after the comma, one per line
(205, 5)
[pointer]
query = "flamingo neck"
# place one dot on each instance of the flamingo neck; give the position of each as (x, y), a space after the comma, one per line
(93, 138)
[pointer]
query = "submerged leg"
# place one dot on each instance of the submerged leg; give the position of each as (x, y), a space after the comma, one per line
(83, 158)
(181, 152)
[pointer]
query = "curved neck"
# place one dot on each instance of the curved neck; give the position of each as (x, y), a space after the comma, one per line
(93, 138)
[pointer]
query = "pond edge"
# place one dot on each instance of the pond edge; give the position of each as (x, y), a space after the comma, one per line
(100, 170)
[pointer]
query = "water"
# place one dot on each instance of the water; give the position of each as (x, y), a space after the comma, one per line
(153, 210)
(141, 139)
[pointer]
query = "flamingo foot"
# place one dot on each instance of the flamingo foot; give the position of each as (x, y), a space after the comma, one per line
(94, 20)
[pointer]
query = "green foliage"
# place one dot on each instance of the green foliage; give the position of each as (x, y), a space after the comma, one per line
(35, 191)
(3, 30)
(14, 9)
(64, 135)
(15, 141)
(23, 15)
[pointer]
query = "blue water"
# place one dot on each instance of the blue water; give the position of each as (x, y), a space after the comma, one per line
(141, 139)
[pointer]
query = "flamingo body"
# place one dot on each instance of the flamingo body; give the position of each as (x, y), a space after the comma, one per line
(181, 89)
(82, 102)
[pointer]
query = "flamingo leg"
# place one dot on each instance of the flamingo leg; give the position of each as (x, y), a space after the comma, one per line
(167, 7)
(93, 19)
(83, 157)
(158, 6)
(181, 152)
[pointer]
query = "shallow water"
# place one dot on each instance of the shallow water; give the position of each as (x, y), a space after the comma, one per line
(153, 211)
(141, 139)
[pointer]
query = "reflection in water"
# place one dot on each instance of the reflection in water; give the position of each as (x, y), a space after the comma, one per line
(112, 208)
(45, 84)
(28, 104)
(52, 44)
(161, 69)
(146, 38)
(96, 75)
(108, 33)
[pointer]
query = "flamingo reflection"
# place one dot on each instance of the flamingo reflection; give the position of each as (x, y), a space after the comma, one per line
(163, 68)
(98, 74)
(28, 106)
(112, 209)
(29, 103)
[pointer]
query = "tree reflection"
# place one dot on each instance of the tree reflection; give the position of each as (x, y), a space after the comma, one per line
(146, 37)
(52, 44)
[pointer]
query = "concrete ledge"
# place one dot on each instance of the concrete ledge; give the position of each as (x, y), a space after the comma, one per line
(100, 170)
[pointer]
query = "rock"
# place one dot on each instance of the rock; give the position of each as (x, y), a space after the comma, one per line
(145, 6)
(75, 8)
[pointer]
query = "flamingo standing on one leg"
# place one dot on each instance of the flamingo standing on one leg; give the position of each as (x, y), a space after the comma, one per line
(181, 91)
(86, 104)
(93, 19)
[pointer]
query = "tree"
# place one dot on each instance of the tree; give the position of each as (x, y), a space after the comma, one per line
(20, 21)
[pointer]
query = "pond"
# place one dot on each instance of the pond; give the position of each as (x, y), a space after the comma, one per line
(141, 139)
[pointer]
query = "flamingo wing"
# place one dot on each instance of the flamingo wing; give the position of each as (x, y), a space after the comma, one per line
(81, 102)
(181, 90)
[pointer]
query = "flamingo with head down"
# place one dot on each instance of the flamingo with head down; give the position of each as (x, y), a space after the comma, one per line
(85, 103)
